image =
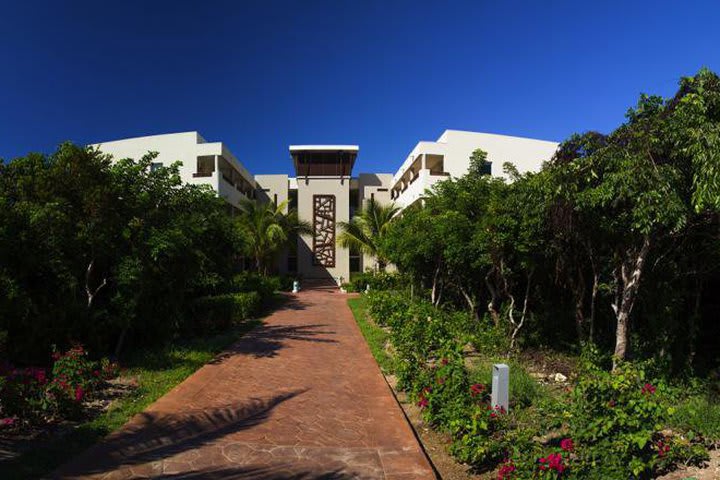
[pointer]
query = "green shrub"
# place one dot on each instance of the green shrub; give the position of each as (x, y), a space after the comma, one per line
(221, 311)
(253, 282)
(378, 281)
(617, 420)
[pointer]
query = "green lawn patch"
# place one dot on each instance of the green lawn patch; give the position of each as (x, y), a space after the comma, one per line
(374, 335)
(156, 371)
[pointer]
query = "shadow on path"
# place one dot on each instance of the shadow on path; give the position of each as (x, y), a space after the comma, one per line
(262, 473)
(152, 436)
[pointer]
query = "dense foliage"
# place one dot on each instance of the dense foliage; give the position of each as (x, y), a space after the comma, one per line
(610, 425)
(615, 241)
(103, 253)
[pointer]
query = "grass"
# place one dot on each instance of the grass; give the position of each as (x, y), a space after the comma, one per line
(375, 336)
(157, 371)
(699, 413)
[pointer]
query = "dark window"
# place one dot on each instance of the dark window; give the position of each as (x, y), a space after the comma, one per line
(292, 263)
(486, 168)
(293, 194)
(382, 189)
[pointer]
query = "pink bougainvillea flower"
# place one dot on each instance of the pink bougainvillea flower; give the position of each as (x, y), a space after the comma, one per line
(567, 444)
(506, 471)
(648, 389)
(423, 403)
(555, 462)
(477, 389)
(7, 422)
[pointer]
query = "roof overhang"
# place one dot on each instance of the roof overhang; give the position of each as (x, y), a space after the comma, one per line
(324, 160)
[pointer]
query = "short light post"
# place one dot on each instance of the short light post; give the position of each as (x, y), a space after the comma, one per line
(296, 286)
(500, 396)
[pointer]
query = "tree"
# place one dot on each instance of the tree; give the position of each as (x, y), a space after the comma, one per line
(364, 232)
(267, 229)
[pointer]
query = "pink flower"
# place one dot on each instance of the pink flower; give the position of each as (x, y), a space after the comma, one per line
(506, 471)
(79, 393)
(648, 389)
(7, 422)
(423, 403)
(477, 389)
(567, 444)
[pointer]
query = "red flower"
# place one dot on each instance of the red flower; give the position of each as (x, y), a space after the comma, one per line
(477, 389)
(663, 448)
(444, 361)
(506, 471)
(423, 403)
(555, 462)
(79, 393)
(648, 389)
(567, 444)
(426, 390)
(7, 422)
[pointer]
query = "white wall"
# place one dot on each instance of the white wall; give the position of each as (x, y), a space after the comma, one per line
(457, 146)
(184, 147)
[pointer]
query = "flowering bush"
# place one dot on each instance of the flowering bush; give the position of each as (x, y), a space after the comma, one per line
(617, 420)
(31, 393)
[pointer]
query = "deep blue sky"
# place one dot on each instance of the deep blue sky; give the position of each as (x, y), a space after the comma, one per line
(383, 74)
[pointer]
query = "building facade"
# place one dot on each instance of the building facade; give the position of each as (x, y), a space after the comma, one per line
(324, 191)
(449, 156)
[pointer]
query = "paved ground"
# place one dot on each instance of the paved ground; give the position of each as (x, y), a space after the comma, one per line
(300, 398)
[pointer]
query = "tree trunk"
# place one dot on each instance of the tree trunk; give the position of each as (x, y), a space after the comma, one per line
(434, 294)
(631, 271)
(91, 293)
(593, 298)
(470, 301)
(493, 304)
(517, 326)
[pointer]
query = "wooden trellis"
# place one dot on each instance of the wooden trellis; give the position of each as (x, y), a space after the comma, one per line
(324, 230)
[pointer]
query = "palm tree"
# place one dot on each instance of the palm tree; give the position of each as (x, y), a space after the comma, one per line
(364, 231)
(267, 229)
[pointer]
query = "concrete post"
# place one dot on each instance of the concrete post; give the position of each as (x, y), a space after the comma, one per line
(500, 396)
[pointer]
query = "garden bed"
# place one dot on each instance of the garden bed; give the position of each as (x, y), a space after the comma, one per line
(35, 451)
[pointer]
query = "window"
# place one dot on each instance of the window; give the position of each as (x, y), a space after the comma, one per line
(486, 168)
(154, 166)
(205, 166)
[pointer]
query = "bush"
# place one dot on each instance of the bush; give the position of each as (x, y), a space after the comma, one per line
(617, 420)
(253, 282)
(222, 311)
(30, 393)
(378, 281)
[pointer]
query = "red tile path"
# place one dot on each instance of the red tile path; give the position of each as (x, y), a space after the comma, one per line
(298, 398)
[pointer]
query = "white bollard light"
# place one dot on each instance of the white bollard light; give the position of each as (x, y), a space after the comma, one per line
(296, 286)
(500, 396)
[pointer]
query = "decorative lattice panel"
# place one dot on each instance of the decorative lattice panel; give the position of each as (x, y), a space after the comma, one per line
(324, 230)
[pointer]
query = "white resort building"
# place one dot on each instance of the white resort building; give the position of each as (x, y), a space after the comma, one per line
(324, 190)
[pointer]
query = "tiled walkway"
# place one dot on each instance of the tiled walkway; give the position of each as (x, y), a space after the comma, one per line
(299, 398)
